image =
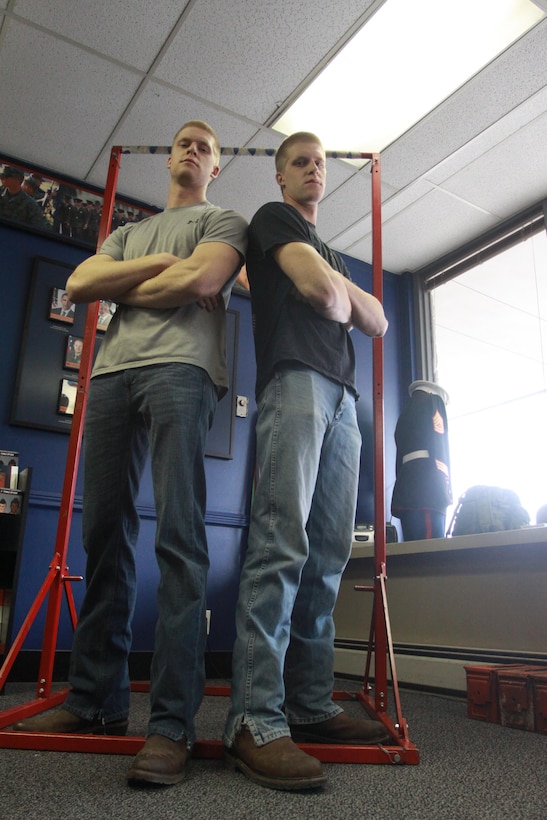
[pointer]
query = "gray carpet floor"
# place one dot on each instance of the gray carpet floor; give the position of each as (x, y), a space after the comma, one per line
(468, 770)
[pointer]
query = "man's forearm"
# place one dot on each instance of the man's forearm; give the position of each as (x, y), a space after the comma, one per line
(199, 277)
(102, 277)
(367, 313)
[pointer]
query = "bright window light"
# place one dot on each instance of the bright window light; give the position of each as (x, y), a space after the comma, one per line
(408, 58)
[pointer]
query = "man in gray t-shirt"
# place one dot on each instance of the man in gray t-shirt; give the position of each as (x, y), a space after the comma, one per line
(154, 388)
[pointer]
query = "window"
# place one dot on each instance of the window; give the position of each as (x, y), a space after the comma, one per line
(490, 340)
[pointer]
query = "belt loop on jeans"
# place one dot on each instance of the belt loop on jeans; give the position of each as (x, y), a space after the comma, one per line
(415, 454)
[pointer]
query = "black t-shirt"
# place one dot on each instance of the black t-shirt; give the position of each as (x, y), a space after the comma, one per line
(286, 328)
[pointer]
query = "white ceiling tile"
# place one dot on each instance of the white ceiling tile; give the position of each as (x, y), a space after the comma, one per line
(103, 25)
(393, 202)
(261, 51)
(60, 118)
(432, 226)
(519, 167)
(516, 75)
(153, 119)
(513, 121)
(73, 84)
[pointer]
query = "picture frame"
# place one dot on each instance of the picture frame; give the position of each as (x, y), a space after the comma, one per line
(68, 389)
(43, 356)
(44, 359)
(106, 311)
(73, 352)
(60, 206)
(61, 309)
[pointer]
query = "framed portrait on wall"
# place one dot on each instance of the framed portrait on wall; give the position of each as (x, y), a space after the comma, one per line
(61, 309)
(51, 345)
(48, 349)
(67, 397)
(105, 313)
(73, 352)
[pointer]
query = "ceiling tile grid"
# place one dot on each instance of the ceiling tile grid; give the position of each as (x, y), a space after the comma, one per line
(393, 202)
(249, 57)
(153, 118)
(103, 25)
(68, 110)
(518, 165)
(516, 75)
(426, 230)
(78, 78)
(495, 134)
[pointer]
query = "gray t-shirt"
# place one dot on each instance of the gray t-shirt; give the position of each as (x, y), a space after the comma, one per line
(144, 336)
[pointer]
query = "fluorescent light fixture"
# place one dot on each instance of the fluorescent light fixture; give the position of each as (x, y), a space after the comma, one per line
(408, 58)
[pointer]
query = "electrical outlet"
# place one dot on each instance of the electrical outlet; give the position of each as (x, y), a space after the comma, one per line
(208, 619)
(242, 406)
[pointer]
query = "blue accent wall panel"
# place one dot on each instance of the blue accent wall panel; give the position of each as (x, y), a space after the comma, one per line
(229, 481)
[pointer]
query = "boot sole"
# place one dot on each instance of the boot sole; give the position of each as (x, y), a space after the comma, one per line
(134, 776)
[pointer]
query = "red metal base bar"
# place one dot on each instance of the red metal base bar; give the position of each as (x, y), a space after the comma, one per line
(400, 751)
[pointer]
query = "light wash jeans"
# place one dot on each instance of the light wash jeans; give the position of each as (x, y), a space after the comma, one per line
(303, 512)
(168, 408)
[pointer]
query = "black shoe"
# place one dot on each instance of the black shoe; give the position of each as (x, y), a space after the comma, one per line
(63, 722)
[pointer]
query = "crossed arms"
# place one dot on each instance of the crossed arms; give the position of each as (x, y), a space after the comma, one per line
(328, 291)
(159, 280)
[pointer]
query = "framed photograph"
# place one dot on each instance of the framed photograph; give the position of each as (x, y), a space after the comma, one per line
(54, 204)
(44, 351)
(67, 397)
(107, 310)
(49, 348)
(73, 352)
(61, 309)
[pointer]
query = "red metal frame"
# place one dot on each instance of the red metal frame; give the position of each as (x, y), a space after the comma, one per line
(58, 581)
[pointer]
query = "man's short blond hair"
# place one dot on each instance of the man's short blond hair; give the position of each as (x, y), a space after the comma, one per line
(281, 155)
(204, 127)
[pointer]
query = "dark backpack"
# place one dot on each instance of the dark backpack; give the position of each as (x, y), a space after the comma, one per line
(487, 509)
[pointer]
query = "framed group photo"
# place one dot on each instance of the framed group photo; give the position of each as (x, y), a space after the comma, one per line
(58, 205)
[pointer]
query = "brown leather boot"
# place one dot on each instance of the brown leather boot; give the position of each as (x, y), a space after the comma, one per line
(62, 722)
(279, 764)
(161, 761)
(341, 729)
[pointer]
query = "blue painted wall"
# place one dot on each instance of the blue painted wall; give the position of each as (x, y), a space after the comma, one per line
(229, 481)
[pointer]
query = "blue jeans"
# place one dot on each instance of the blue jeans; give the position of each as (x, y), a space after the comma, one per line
(169, 410)
(303, 512)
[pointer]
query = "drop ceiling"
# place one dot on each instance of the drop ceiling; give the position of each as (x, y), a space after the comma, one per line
(79, 77)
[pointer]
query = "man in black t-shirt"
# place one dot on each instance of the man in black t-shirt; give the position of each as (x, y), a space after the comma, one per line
(303, 511)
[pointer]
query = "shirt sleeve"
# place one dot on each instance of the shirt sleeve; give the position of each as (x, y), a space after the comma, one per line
(278, 224)
(226, 226)
(114, 243)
